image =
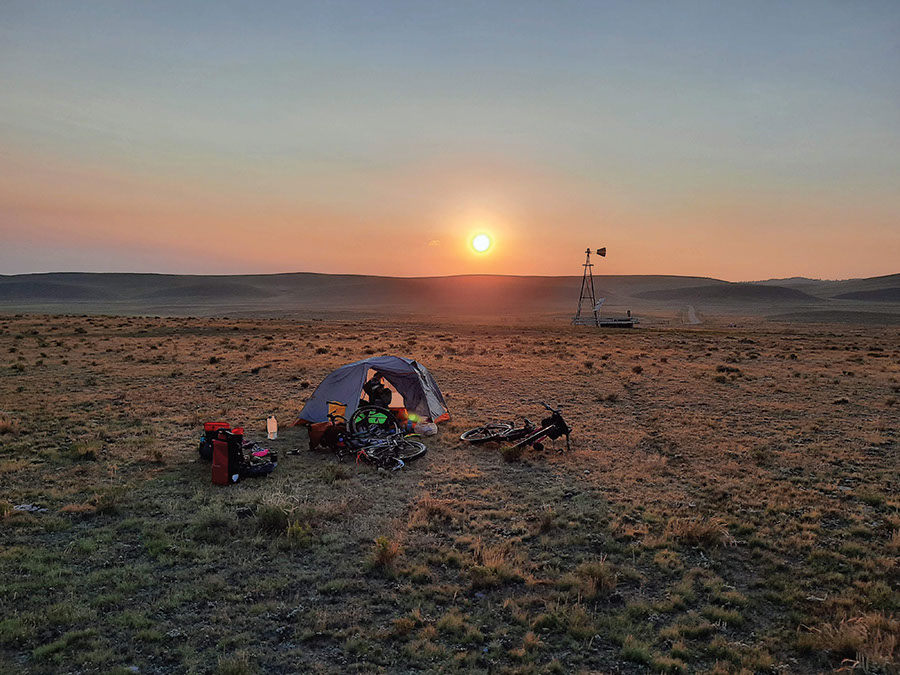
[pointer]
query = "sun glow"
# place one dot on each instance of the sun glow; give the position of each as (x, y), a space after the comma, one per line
(481, 243)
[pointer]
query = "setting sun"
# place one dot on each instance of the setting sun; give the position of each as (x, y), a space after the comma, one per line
(481, 243)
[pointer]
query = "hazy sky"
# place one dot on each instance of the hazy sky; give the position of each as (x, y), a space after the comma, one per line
(741, 140)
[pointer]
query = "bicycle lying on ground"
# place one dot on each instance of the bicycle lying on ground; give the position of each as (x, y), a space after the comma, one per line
(528, 434)
(373, 435)
(389, 452)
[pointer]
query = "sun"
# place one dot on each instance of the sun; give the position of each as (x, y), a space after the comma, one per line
(481, 243)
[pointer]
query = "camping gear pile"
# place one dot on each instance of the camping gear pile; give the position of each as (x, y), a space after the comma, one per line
(350, 412)
(232, 457)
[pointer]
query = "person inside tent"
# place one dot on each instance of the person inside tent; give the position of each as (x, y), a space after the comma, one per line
(377, 392)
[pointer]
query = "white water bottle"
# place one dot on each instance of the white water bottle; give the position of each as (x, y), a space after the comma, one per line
(272, 427)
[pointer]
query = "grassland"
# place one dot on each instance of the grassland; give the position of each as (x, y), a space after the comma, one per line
(729, 504)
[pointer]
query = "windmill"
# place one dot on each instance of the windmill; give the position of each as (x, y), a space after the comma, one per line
(587, 292)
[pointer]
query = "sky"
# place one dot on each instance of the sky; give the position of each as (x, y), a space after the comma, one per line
(738, 140)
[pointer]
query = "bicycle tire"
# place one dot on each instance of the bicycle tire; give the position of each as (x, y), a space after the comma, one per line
(370, 420)
(408, 451)
(486, 433)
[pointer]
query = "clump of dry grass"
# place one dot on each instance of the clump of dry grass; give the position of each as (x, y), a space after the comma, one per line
(455, 624)
(299, 534)
(89, 450)
(273, 518)
(512, 453)
(430, 511)
(494, 565)
(597, 578)
(547, 522)
(894, 543)
(108, 502)
(405, 625)
(9, 425)
(531, 644)
(78, 509)
(697, 531)
(334, 472)
(385, 553)
(870, 642)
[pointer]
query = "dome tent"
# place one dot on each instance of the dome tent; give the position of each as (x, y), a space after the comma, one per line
(412, 381)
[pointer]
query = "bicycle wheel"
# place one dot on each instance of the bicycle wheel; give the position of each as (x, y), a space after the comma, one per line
(489, 432)
(407, 450)
(371, 420)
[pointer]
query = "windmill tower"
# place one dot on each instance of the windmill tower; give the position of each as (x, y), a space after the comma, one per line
(587, 292)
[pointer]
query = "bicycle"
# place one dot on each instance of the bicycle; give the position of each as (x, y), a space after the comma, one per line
(528, 434)
(375, 436)
(391, 452)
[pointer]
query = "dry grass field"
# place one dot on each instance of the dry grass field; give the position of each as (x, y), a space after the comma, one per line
(730, 503)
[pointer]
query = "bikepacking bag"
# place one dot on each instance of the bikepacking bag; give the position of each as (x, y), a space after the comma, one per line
(228, 456)
(232, 457)
(555, 432)
(210, 429)
(327, 435)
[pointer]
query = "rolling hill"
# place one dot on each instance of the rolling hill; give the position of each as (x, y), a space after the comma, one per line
(482, 297)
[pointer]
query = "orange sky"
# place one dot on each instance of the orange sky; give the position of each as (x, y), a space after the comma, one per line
(420, 221)
(725, 144)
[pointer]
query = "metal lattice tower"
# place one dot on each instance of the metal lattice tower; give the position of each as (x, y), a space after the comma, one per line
(587, 291)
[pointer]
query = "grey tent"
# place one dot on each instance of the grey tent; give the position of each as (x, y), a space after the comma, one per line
(412, 381)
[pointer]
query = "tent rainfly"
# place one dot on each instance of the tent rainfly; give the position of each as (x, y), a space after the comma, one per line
(412, 381)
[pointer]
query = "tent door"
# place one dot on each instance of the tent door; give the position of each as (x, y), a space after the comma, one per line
(396, 399)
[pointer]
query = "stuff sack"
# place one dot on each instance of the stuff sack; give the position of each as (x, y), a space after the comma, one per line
(426, 428)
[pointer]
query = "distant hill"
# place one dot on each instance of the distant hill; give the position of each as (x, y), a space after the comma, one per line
(209, 289)
(483, 297)
(826, 288)
(28, 289)
(839, 316)
(877, 295)
(730, 292)
(789, 281)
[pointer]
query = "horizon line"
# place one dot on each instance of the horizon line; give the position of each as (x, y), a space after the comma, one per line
(439, 276)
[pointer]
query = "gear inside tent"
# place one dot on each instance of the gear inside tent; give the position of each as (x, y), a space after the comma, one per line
(413, 387)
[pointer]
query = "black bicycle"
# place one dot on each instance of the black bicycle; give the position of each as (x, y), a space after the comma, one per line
(373, 434)
(528, 434)
(390, 452)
